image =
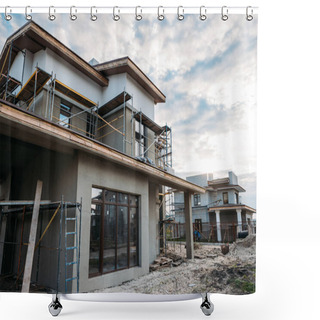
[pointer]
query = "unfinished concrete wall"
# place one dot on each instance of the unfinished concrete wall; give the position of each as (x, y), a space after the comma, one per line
(109, 136)
(154, 231)
(93, 171)
(59, 173)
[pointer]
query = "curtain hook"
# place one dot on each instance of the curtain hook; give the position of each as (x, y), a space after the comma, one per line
(160, 16)
(7, 16)
(116, 17)
(203, 13)
(28, 16)
(73, 17)
(138, 16)
(93, 17)
(249, 17)
(52, 16)
(224, 13)
(180, 15)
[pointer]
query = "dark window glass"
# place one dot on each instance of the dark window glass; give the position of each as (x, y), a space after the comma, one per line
(110, 196)
(133, 201)
(122, 237)
(109, 239)
(133, 237)
(64, 117)
(123, 198)
(114, 231)
(94, 259)
(96, 194)
(197, 200)
(225, 198)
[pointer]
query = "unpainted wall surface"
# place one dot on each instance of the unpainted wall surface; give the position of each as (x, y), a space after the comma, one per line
(93, 171)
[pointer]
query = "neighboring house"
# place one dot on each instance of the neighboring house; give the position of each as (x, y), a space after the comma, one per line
(76, 127)
(219, 213)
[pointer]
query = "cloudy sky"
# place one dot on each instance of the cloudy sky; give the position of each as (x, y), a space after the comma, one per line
(207, 70)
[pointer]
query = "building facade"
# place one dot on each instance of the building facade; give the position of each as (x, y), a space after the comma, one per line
(101, 159)
(218, 214)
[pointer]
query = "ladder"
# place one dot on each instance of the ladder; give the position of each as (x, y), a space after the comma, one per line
(72, 251)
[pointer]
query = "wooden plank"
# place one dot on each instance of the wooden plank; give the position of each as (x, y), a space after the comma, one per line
(189, 227)
(32, 239)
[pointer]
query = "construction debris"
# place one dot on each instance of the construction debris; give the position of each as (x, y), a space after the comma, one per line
(210, 271)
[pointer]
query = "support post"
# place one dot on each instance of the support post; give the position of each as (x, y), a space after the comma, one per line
(32, 239)
(218, 225)
(239, 220)
(2, 236)
(188, 219)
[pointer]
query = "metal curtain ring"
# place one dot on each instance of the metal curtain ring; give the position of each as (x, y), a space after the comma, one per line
(180, 16)
(224, 13)
(7, 16)
(51, 16)
(28, 16)
(138, 16)
(73, 17)
(160, 16)
(93, 17)
(203, 13)
(249, 17)
(116, 17)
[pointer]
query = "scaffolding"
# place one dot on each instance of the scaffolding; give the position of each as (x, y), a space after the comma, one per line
(69, 244)
(90, 119)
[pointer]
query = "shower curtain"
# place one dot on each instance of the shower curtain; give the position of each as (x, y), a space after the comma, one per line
(129, 152)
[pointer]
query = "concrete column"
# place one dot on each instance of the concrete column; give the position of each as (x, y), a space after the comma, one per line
(239, 220)
(218, 225)
(189, 229)
(3, 227)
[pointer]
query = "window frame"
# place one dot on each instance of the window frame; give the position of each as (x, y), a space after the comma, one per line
(198, 197)
(103, 202)
(65, 111)
(225, 201)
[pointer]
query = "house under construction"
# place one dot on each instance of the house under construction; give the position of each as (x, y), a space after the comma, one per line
(83, 167)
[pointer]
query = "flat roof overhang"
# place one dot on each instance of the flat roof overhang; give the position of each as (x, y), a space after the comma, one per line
(228, 187)
(232, 207)
(34, 38)
(126, 65)
(26, 126)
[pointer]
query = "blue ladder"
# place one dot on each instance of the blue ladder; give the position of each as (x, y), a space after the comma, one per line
(72, 249)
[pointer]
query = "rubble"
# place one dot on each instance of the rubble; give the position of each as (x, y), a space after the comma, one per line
(210, 271)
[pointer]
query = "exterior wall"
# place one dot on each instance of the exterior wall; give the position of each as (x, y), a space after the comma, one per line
(58, 173)
(94, 171)
(109, 136)
(201, 179)
(50, 62)
(117, 84)
(154, 230)
(141, 99)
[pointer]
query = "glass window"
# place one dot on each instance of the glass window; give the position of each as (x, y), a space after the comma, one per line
(225, 197)
(133, 231)
(110, 196)
(197, 200)
(114, 231)
(64, 117)
(109, 238)
(123, 198)
(94, 259)
(122, 237)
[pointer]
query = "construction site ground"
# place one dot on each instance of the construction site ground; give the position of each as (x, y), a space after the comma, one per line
(210, 271)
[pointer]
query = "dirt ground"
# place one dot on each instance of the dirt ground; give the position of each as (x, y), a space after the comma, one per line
(210, 271)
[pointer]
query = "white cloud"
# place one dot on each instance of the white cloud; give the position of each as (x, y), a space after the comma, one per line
(207, 70)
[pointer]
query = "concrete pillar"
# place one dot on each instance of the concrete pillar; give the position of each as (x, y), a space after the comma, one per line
(189, 229)
(239, 220)
(3, 227)
(218, 225)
